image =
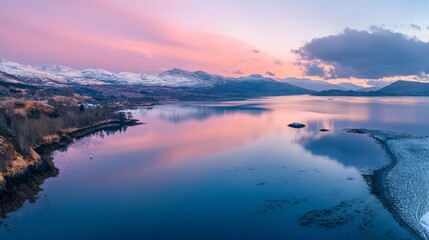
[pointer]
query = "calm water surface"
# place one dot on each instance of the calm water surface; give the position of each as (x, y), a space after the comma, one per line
(230, 170)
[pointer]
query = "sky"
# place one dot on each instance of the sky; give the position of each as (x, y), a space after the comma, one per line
(360, 41)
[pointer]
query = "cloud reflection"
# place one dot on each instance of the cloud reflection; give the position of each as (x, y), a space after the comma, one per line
(182, 132)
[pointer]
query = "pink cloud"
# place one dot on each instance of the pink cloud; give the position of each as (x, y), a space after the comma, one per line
(103, 34)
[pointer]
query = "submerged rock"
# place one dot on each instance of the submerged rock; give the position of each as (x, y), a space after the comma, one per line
(343, 213)
(296, 125)
(280, 204)
(359, 131)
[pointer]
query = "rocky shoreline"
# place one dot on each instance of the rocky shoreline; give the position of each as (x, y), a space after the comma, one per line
(21, 181)
(396, 184)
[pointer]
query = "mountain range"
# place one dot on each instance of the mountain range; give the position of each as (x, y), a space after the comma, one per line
(398, 88)
(318, 85)
(182, 84)
(56, 75)
(174, 83)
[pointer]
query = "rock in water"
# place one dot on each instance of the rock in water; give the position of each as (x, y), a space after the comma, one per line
(324, 130)
(296, 125)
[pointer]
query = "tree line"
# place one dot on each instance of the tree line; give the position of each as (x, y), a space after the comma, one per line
(28, 129)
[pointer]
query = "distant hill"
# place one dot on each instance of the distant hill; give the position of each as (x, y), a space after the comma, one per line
(342, 93)
(406, 88)
(256, 85)
(314, 85)
(318, 85)
(369, 89)
(349, 86)
(398, 88)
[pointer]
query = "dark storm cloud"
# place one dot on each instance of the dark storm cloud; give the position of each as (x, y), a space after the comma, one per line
(313, 69)
(365, 54)
(237, 72)
(271, 74)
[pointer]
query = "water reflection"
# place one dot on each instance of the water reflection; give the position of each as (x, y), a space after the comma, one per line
(209, 128)
(225, 170)
(350, 150)
(27, 188)
(106, 132)
(186, 112)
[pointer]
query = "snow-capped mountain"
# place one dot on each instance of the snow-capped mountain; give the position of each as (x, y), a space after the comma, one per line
(55, 75)
(255, 77)
(182, 84)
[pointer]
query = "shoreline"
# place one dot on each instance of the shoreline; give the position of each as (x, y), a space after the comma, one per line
(377, 179)
(65, 137)
(40, 156)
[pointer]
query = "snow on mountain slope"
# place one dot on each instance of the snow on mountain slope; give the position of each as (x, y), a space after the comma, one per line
(61, 76)
(55, 75)
(9, 78)
(26, 73)
(178, 77)
(256, 77)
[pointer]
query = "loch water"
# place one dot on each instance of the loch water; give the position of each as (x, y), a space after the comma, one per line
(225, 170)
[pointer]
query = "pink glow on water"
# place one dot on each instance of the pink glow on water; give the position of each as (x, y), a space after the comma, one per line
(195, 139)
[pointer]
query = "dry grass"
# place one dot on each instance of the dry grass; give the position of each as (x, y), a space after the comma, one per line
(11, 105)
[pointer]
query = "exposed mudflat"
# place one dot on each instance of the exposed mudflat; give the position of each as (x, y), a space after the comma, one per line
(405, 181)
(408, 180)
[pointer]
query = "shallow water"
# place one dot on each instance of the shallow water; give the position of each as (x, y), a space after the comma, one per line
(230, 170)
